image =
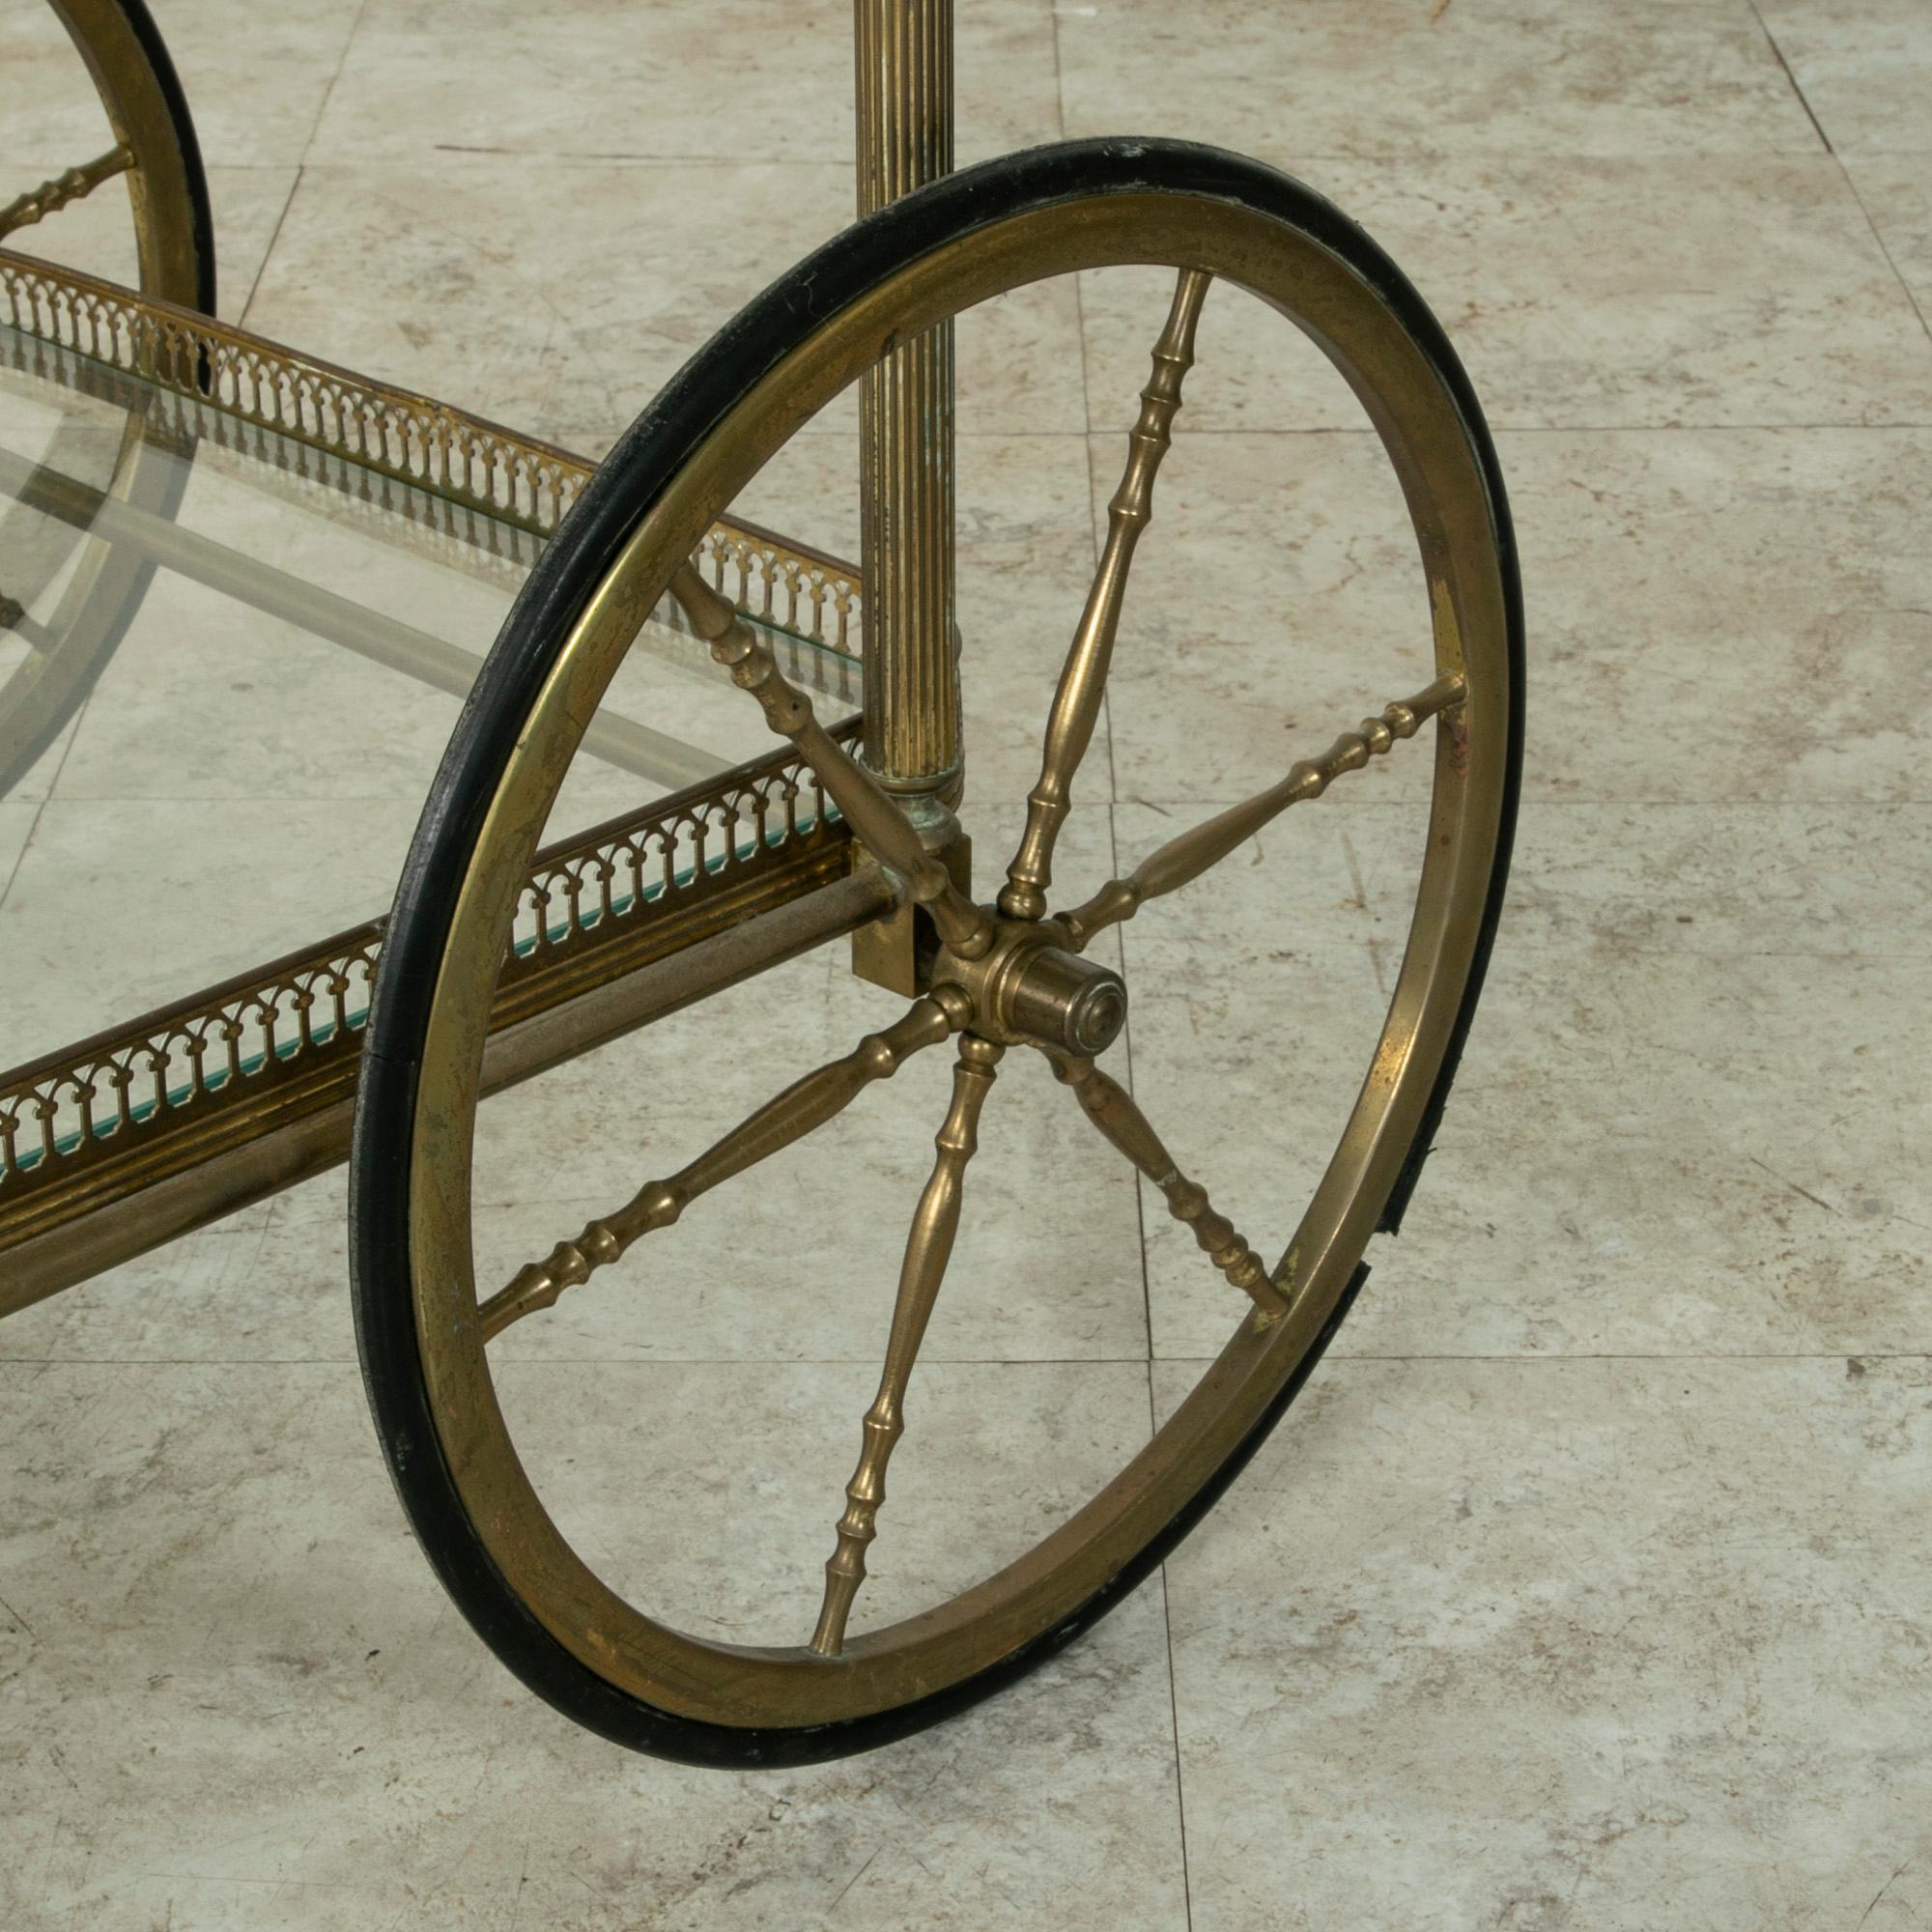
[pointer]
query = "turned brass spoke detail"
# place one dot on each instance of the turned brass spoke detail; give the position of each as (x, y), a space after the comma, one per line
(1111, 1109)
(71, 184)
(929, 1248)
(1184, 858)
(1083, 680)
(879, 825)
(805, 1105)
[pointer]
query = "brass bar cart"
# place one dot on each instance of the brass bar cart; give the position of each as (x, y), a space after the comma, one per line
(159, 467)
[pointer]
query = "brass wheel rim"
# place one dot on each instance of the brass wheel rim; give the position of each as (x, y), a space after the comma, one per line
(1443, 479)
(154, 147)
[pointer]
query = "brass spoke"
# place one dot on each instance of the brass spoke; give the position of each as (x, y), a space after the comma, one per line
(1111, 1109)
(1083, 679)
(805, 1105)
(69, 184)
(929, 1248)
(1184, 858)
(880, 826)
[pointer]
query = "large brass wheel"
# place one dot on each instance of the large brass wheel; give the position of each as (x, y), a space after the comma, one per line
(149, 160)
(1013, 972)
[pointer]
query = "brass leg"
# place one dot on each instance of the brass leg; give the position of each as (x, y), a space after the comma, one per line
(913, 737)
(904, 73)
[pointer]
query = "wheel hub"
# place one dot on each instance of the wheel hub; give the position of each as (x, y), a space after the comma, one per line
(1028, 991)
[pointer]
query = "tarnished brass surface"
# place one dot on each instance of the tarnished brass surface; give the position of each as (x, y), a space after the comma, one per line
(897, 952)
(1025, 990)
(903, 127)
(161, 189)
(879, 823)
(71, 184)
(1072, 1002)
(1083, 680)
(840, 1672)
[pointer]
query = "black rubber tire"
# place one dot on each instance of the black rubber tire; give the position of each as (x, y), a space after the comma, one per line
(167, 83)
(650, 452)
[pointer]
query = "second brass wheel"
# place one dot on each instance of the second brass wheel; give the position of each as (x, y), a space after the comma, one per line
(1013, 978)
(152, 161)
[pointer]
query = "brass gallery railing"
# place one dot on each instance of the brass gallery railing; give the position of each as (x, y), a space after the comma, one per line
(144, 1102)
(393, 433)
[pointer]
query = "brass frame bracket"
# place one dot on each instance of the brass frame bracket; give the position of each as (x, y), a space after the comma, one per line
(898, 951)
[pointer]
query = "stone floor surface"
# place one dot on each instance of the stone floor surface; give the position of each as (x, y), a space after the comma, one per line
(1589, 1585)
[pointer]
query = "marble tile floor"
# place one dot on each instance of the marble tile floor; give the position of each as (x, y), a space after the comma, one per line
(1587, 1587)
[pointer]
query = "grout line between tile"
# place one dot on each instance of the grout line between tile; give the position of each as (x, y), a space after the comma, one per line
(301, 163)
(1545, 802)
(262, 267)
(1140, 1186)
(552, 157)
(1706, 1357)
(328, 92)
(1770, 40)
(1418, 158)
(1173, 1712)
(1498, 426)
(14, 871)
(1891, 261)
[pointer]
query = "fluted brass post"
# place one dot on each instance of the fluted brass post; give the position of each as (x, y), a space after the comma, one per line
(905, 418)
